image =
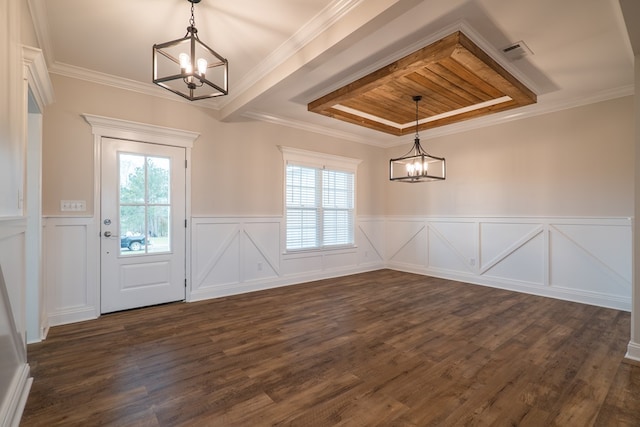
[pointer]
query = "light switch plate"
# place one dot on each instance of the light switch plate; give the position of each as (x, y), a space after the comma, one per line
(73, 205)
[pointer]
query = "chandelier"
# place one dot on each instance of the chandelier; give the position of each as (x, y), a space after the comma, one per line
(417, 165)
(190, 68)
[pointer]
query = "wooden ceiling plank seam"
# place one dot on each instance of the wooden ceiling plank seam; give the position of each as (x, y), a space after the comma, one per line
(431, 104)
(400, 97)
(521, 91)
(387, 114)
(449, 80)
(471, 81)
(404, 91)
(428, 54)
(378, 103)
(445, 94)
(486, 73)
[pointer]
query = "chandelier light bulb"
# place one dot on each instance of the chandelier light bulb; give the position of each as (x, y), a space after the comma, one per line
(418, 166)
(202, 67)
(185, 63)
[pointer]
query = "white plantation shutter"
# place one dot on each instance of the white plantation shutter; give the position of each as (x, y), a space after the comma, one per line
(319, 201)
(302, 201)
(337, 208)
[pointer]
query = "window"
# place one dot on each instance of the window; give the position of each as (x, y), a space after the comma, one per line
(145, 203)
(319, 200)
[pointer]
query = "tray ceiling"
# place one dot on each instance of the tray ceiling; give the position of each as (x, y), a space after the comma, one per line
(457, 80)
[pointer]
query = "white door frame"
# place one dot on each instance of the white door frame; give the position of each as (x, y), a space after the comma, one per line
(141, 132)
(38, 93)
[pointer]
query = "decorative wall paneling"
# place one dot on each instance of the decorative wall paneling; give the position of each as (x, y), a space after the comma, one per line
(578, 259)
(585, 260)
(14, 369)
(71, 260)
(231, 255)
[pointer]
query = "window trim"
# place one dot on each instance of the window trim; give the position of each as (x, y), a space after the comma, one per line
(317, 160)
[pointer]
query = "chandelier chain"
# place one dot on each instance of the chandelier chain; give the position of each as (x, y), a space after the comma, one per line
(417, 135)
(192, 21)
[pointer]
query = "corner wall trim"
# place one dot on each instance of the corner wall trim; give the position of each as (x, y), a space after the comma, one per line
(633, 351)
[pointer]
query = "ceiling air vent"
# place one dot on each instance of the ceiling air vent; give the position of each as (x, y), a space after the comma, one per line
(517, 50)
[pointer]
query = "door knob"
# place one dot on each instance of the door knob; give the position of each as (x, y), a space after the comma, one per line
(107, 234)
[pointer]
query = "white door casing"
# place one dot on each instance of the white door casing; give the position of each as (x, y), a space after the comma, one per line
(107, 127)
(149, 267)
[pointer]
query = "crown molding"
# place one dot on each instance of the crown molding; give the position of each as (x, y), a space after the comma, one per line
(36, 73)
(312, 29)
(150, 89)
(311, 127)
(320, 23)
(481, 122)
(38, 9)
(533, 110)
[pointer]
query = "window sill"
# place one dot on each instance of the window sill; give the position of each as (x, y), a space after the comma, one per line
(294, 253)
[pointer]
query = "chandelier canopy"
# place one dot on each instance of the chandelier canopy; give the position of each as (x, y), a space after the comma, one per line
(417, 165)
(190, 68)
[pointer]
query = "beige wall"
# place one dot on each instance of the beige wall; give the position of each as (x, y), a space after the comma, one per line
(12, 111)
(576, 162)
(236, 167)
(27, 30)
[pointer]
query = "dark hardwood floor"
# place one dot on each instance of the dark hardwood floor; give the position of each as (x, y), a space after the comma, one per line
(381, 348)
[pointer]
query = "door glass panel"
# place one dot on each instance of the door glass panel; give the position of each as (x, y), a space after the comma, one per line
(158, 222)
(145, 204)
(132, 179)
(159, 176)
(132, 229)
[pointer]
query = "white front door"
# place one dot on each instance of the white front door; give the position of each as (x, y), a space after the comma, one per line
(142, 224)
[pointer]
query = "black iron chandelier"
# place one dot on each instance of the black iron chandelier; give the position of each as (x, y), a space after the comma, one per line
(417, 165)
(190, 68)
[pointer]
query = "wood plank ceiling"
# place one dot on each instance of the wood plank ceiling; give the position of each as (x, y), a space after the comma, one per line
(457, 80)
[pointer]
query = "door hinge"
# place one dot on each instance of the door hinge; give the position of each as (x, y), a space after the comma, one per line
(185, 223)
(185, 163)
(185, 282)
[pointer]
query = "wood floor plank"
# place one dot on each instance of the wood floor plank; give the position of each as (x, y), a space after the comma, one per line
(383, 348)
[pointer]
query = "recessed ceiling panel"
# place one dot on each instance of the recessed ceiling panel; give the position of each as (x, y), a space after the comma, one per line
(456, 79)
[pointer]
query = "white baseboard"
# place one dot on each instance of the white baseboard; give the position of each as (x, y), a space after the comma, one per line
(260, 285)
(73, 315)
(566, 294)
(12, 408)
(633, 351)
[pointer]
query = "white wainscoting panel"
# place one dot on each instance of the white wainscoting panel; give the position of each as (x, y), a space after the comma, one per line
(370, 238)
(407, 243)
(452, 245)
(71, 251)
(591, 259)
(585, 260)
(12, 260)
(15, 380)
(232, 255)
